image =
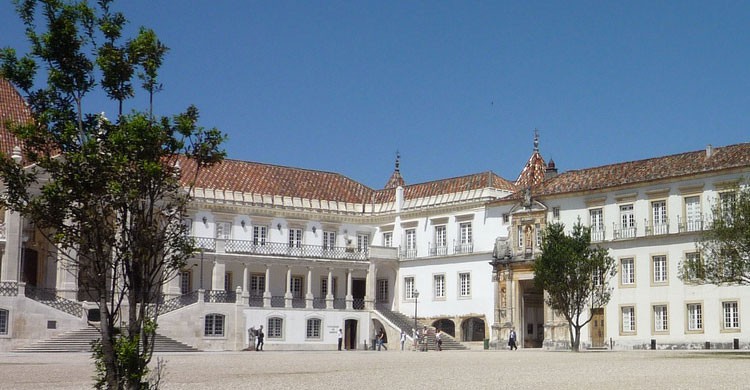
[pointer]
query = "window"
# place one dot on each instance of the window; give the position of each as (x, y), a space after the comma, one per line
(275, 328)
(324, 286)
(260, 234)
(214, 325)
(465, 229)
(693, 221)
(661, 320)
(388, 239)
(329, 240)
(659, 217)
(538, 235)
(228, 281)
(382, 293)
(659, 268)
(296, 287)
(627, 221)
(695, 316)
(628, 319)
(731, 315)
(363, 242)
(4, 322)
(627, 270)
(313, 328)
(506, 218)
(409, 287)
(727, 201)
(464, 284)
(257, 285)
(520, 236)
(186, 282)
(295, 238)
(556, 212)
(441, 239)
(694, 266)
(411, 239)
(438, 282)
(596, 223)
(223, 230)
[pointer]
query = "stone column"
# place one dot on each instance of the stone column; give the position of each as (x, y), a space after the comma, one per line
(267, 288)
(309, 296)
(370, 287)
(66, 282)
(288, 295)
(329, 295)
(349, 298)
(10, 270)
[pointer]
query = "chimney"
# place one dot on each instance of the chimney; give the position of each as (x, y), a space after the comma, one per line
(709, 151)
(551, 170)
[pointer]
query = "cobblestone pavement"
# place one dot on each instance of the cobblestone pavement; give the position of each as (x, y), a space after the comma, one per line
(523, 369)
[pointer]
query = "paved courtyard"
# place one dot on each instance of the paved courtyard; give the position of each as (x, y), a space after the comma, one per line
(524, 369)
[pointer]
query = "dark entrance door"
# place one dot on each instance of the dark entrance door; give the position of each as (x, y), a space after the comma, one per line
(350, 334)
(30, 267)
(359, 289)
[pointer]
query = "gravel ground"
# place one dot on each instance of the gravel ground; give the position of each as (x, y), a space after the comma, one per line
(523, 369)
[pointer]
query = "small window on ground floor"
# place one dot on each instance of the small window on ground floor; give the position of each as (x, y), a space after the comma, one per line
(313, 328)
(275, 328)
(3, 322)
(214, 325)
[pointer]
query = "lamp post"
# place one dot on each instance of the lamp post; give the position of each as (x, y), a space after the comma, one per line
(416, 299)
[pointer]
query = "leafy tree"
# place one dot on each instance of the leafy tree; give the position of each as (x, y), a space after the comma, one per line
(574, 274)
(109, 195)
(724, 247)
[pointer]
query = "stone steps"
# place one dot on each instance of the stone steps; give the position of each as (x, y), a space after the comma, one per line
(80, 341)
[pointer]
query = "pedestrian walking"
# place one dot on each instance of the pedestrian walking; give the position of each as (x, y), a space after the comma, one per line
(512, 339)
(402, 339)
(261, 335)
(341, 338)
(439, 339)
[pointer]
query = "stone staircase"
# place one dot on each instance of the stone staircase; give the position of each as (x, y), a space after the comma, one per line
(80, 341)
(406, 324)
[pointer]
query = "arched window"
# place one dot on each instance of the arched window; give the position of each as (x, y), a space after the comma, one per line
(3, 321)
(214, 325)
(313, 328)
(275, 328)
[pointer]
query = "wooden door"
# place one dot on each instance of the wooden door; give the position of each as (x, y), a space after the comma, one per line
(596, 326)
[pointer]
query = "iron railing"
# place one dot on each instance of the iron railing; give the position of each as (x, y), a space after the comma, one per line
(622, 233)
(48, 296)
(267, 248)
(691, 225)
(219, 296)
(8, 289)
(597, 234)
(178, 302)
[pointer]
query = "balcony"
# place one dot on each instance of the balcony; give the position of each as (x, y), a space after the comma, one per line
(695, 224)
(597, 234)
(657, 229)
(624, 232)
(284, 249)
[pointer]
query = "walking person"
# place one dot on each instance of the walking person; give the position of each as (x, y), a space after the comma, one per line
(403, 339)
(439, 339)
(341, 338)
(379, 339)
(261, 335)
(512, 339)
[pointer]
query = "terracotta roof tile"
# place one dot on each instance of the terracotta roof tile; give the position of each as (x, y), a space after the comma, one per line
(533, 173)
(447, 186)
(12, 108)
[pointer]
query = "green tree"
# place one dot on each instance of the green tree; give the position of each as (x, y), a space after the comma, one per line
(110, 195)
(574, 275)
(724, 247)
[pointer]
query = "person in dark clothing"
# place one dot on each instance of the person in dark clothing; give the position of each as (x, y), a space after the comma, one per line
(341, 338)
(512, 339)
(261, 335)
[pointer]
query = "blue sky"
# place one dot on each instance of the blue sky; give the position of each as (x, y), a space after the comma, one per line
(457, 87)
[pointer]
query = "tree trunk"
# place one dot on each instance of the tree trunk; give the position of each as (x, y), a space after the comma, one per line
(108, 345)
(577, 339)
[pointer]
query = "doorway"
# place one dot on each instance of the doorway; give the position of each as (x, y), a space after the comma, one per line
(30, 267)
(532, 315)
(350, 334)
(359, 290)
(597, 328)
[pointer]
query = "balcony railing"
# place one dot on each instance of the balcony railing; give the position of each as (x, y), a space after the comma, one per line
(267, 248)
(219, 296)
(657, 229)
(441, 250)
(408, 253)
(691, 225)
(464, 248)
(597, 234)
(622, 233)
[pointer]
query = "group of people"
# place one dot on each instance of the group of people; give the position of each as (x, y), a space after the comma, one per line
(420, 339)
(255, 338)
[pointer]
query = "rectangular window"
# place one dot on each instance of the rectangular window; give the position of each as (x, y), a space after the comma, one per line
(329, 240)
(538, 235)
(388, 239)
(694, 266)
(693, 219)
(627, 218)
(186, 282)
(596, 221)
(464, 284)
(257, 285)
(627, 270)
(228, 281)
(409, 287)
(441, 238)
(4, 322)
(695, 316)
(661, 320)
(260, 234)
(275, 328)
(506, 218)
(363, 242)
(465, 229)
(295, 238)
(382, 293)
(439, 285)
(628, 319)
(659, 268)
(223, 230)
(296, 287)
(214, 325)
(411, 239)
(727, 200)
(313, 328)
(731, 315)
(659, 217)
(556, 212)
(520, 236)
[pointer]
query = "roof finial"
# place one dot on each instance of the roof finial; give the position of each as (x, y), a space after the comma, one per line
(398, 157)
(536, 140)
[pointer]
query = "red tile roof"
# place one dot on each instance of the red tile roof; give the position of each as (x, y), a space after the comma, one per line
(533, 173)
(447, 186)
(12, 108)
(659, 168)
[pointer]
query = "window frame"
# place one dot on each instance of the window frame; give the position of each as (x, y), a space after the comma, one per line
(632, 281)
(660, 320)
(272, 330)
(4, 322)
(388, 239)
(260, 235)
(464, 284)
(295, 238)
(314, 329)
(632, 328)
(221, 234)
(694, 318)
(735, 326)
(438, 286)
(409, 287)
(214, 325)
(659, 270)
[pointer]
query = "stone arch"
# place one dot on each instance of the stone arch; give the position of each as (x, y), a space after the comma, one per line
(472, 329)
(446, 325)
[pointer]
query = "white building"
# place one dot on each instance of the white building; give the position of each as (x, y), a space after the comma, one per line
(304, 253)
